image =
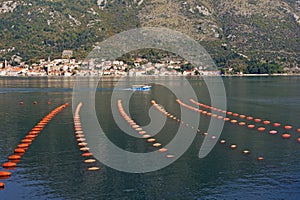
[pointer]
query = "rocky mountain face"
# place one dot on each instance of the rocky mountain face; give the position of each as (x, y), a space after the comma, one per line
(232, 31)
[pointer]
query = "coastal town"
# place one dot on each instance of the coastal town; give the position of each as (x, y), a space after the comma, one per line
(67, 66)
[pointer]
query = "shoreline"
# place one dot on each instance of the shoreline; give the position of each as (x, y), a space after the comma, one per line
(145, 76)
(258, 75)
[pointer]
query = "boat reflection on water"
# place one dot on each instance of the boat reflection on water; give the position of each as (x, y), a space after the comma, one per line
(141, 87)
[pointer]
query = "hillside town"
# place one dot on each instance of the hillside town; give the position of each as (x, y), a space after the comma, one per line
(66, 66)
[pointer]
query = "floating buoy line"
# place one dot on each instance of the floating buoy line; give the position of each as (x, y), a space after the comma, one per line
(142, 132)
(173, 117)
(21, 148)
(80, 137)
(260, 128)
(261, 123)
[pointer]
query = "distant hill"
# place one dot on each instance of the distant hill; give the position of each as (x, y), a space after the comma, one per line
(233, 31)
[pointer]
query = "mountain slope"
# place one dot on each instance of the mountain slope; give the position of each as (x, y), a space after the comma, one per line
(233, 31)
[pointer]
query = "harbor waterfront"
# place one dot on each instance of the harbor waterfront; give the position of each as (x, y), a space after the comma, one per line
(54, 168)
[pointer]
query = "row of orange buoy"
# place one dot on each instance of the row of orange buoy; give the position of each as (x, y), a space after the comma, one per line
(222, 141)
(140, 130)
(235, 146)
(34, 103)
(80, 137)
(234, 121)
(250, 118)
(26, 142)
(173, 117)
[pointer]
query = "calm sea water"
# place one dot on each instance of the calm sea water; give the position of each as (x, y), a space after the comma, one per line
(53, 168)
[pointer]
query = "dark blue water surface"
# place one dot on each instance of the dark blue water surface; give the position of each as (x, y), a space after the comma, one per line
(53, 168)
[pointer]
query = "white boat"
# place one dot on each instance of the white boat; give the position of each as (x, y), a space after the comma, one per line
(141, 87)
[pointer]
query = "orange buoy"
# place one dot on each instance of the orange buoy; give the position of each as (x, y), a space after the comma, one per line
(23, 145)
(79, 132)
(14, 157)
(87, 154)
(142, 132)
(146, 136)
(93, 168)
(19, 150)
(276, 124)
(233, 146)
(242, 123)
(298, 139)
(36, 128)
(298, 130)
(79, 136)
(235, 114)
(214, 115)
(266, 122)
(1, 186)
(48, 102)
(222, 141)
(30, 137)
(273, 132)
(286, 136)
(229, 113)
(170, 156)
(81, 139)
(261, 129)
(26, 141)
(35, 102)
(132, 123)
(246, 151)
(84, 149)
(260, 158)
(163, 150)
(251, 126)
(5, 174)
(242, 116)
(9, 165)
(33, 133)
(233, 121)
(82, 144)
(79, 128)
(257, 120)
(151, 140)
(288, 127)
(226, 119)
(90, 161)
(156, 144)
(249, 118)
(21, 103)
